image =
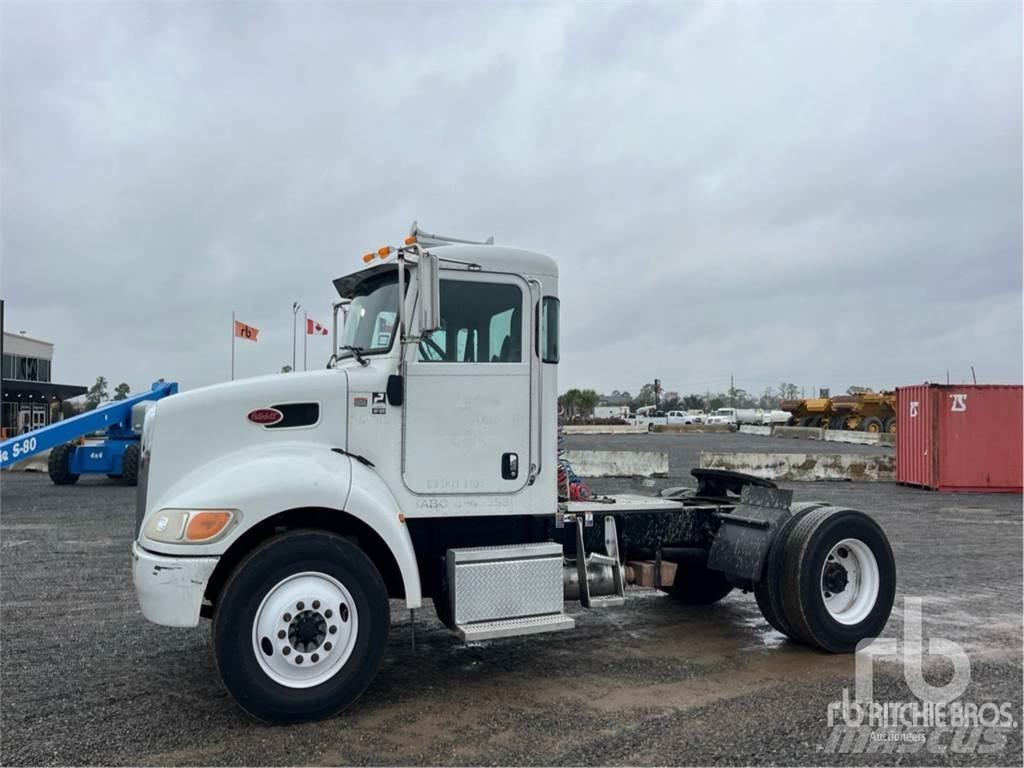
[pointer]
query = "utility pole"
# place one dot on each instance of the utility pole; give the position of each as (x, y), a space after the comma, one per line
(732, 392)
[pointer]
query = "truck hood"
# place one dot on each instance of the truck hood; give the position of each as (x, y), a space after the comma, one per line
(190, 433)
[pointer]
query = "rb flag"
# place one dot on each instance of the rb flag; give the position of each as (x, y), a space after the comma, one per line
(247, 332)
(313, 328)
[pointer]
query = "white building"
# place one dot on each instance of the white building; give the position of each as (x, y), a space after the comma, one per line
(29, 397)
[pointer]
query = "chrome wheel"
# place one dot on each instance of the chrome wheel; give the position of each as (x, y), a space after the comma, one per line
(850, 581)
(305, 629)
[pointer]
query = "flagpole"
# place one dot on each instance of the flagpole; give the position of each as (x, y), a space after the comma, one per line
(295, 316)
(305, 339)
(232, 345)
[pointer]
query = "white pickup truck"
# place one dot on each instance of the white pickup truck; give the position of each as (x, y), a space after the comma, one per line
(422, 464)
(681, 417)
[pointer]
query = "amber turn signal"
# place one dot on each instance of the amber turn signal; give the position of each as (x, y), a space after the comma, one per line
(206, 525)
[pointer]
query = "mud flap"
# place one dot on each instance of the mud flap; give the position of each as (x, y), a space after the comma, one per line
(746, 534)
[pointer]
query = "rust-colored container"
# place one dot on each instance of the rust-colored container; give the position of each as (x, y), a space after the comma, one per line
(960, 438)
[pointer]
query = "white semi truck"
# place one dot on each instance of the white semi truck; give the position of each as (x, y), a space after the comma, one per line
(289, 509)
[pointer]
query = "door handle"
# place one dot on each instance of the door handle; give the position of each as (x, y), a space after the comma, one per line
(510, 466)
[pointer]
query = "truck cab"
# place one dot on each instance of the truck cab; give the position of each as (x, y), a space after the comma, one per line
(422, 463)
(722, 416)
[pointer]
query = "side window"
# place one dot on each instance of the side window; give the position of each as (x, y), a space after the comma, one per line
(549, 330)
(501, 333)
(480, 323)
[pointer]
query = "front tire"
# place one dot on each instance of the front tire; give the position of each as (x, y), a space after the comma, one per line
(57, 465)
(301, 627)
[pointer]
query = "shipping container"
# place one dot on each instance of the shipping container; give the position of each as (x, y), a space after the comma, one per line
(960, 438)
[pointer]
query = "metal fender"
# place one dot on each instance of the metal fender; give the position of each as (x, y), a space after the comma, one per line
(263, 481)
(371, 501)
(746, 534)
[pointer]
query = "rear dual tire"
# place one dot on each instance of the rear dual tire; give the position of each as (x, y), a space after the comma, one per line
(696, 584)
(830, 579)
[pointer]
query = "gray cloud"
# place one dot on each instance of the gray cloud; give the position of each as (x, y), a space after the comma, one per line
(828, 194)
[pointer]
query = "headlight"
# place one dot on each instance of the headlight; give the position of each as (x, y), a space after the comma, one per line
(190, 526)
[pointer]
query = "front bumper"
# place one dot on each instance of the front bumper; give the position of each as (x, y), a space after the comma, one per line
(170, 589)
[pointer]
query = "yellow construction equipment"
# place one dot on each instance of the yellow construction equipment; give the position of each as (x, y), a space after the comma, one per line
(871, 412)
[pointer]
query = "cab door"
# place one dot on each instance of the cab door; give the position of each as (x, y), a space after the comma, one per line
(467, 397)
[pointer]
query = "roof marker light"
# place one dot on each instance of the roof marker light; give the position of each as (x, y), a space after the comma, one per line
(410, 240)
(384, 252)
(367, 257)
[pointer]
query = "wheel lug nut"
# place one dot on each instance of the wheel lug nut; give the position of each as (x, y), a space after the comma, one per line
(287, 617)
(316, 604)
(328, 613)
(315, 658)
(286, 650)
(300, 605)
(327, 646)
(281, 634)
(333, 629)
(298, 659)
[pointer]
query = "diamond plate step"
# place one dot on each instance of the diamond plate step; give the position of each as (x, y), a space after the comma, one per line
(531, 625)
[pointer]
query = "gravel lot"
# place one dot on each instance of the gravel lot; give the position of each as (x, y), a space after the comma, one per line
(86, 680)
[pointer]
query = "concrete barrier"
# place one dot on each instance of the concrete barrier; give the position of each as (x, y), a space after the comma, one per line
(604, 429)
(699, 428)
(618, 463)
(754, 429)
(835, 435)
(805, 466)
(805, 433)
(859, 438)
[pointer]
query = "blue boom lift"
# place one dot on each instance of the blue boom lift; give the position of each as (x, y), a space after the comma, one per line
(117, 456)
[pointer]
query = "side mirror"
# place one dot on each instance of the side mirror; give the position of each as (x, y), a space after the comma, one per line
(430, 292)
(395, 391)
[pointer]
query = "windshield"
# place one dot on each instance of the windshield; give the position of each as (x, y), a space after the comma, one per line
(371, 318)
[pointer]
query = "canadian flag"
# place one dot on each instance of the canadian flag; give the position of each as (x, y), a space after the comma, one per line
(313, 328)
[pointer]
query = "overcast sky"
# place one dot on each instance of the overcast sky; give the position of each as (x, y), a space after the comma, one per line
(828, 194)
